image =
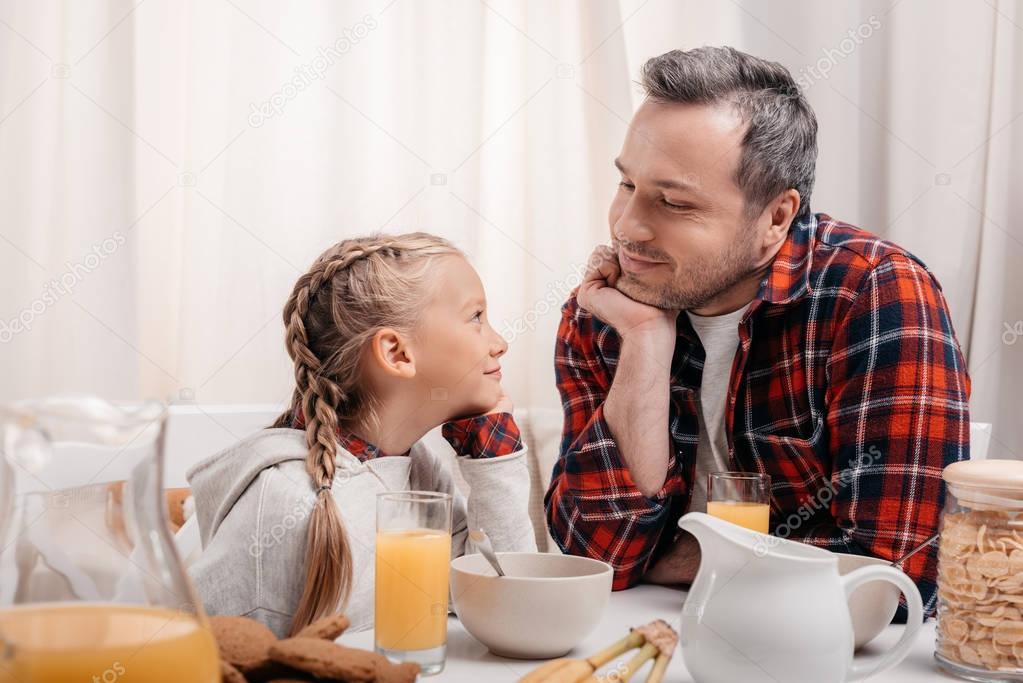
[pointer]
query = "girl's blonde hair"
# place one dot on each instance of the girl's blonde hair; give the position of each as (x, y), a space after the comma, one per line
(354, 289)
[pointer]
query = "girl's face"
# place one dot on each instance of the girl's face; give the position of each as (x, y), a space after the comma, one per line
(456, 349)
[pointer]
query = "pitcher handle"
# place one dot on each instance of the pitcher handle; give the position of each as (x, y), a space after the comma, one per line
(914, 620)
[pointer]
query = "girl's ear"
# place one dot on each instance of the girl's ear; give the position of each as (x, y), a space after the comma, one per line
(392, 354)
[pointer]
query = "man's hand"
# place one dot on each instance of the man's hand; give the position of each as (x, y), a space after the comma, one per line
(679, 564)
(636, 407)
(597, 294)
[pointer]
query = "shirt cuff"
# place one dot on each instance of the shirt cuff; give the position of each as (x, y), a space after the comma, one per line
(484, 436)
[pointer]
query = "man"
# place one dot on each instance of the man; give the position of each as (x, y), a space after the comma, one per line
(730, 328)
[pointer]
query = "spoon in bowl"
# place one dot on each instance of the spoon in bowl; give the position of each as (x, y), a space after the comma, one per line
(482, 541)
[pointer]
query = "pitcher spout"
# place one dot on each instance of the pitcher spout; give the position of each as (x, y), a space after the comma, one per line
(719, 539)
(696, 524)
(707, 530)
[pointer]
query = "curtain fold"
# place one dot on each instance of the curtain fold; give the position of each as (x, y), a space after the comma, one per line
(996, 332)
(169, 169)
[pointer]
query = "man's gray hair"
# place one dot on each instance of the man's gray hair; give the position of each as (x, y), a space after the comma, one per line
(779, 149)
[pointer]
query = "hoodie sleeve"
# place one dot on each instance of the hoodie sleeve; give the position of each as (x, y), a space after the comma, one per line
(498, 496)
(498, 503)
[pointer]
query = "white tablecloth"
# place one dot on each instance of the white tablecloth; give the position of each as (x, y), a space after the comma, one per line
(469, 661)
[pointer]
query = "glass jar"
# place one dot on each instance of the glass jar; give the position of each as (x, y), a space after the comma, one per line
(91, 585)
(980, 571)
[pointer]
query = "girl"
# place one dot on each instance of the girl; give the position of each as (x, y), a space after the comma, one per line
(389, 338)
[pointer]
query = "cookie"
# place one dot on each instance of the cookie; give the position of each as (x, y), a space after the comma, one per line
(405, 672)
(277, 672)
(229, 674)
(326, 659)
(176, 506)
(326, 628)
(243, 643)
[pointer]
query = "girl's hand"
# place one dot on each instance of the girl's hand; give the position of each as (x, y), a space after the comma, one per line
(487, 435)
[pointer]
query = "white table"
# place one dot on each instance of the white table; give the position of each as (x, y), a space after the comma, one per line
(469, 661)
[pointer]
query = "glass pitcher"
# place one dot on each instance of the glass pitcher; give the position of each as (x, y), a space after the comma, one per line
(91, 584)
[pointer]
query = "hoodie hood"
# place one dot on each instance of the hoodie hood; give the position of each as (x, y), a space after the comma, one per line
(220, 480)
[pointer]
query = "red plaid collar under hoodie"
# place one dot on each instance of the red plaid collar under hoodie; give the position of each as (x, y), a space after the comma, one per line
(483, 436)
(848, 388)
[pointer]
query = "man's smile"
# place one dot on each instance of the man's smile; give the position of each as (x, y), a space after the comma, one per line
(636, 264)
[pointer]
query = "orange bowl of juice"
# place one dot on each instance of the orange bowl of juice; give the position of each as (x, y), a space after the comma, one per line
(543, 608)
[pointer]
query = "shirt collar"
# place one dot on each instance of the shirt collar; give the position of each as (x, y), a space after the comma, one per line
(354, 444)
(787, 280)
(359, 447)
(789, 277)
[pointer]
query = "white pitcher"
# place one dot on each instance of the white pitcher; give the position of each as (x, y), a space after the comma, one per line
(767, 609)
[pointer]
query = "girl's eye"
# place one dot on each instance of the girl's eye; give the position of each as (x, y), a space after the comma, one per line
(478, 317)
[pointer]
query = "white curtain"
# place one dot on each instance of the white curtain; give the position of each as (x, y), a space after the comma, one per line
(169, 168)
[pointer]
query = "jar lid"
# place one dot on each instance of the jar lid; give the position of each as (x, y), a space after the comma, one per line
(993, 474)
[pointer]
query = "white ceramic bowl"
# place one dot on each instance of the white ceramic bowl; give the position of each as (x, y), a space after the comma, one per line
(873, 604)
(545, 606)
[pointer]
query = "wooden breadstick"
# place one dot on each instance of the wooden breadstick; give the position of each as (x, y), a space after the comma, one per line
(660, 666)
(656, 639)
(575, 669)
(649, 651)
(622, 675)
(629, 642)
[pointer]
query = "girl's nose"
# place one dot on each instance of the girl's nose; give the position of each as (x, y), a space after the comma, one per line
(500, 346)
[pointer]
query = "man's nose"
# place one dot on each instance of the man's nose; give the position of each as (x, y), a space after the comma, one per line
(632, 224)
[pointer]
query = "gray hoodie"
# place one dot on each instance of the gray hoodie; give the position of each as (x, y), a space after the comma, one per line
(253, 500)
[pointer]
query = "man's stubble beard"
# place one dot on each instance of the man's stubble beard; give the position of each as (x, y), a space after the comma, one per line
(700, 283)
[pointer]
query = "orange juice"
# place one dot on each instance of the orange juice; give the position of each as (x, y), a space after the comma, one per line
(755, 516)
(412, 589)
(60, 643)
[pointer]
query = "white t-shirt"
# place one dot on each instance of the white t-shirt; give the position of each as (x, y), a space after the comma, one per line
(719, 335)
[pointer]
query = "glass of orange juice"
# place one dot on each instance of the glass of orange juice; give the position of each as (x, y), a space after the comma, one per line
(413, 559)
(91, 585)
(742, 498)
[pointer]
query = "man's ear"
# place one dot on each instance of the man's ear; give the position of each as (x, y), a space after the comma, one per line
(783, 210)
(392, 354)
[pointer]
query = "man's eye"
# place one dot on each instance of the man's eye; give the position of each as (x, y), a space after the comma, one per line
(626, 186)
(674, 207)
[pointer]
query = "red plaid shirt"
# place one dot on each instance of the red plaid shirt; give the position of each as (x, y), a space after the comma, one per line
(484, 436)
(848, 388)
